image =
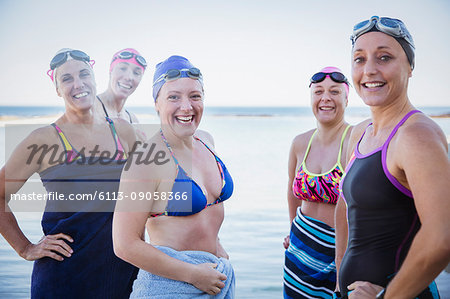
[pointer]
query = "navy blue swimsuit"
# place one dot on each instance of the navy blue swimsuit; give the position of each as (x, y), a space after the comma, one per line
(93, 270)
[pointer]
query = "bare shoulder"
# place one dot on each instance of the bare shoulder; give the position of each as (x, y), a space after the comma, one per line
(358, 130)
(300, 142)
(43, 135)
(40, 139)
(205, 137)
(122, 125)
(352, 139)
(421, 133)
(37, 147)
(151, 159)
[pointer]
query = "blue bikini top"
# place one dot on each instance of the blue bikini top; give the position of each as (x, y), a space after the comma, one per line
(187, 197)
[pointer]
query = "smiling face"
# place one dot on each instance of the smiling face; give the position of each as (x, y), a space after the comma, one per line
(75, 83)
(328, 101)
(180, 105)
(380, 69)
(124, 79)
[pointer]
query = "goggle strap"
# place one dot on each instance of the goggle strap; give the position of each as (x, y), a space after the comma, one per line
(50, 73)
(187, 71)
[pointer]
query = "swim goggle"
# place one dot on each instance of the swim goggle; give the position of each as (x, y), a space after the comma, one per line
(129, 55)
(61, 58)
(335, 76)
(392, 27)
(174, 74)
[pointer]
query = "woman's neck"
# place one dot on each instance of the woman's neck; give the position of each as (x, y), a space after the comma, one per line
(389, 115)
(111, 102)
(86, 117)
(176, 142)
(327, 133)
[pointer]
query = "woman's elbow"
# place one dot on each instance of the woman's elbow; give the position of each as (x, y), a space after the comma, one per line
(441, 245)
(445, 244)
(118, 248)
(121, 246)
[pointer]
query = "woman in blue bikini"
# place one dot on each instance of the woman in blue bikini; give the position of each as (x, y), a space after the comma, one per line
(183, 209)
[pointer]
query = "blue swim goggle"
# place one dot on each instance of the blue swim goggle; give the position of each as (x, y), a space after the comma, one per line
(173, 74)
(393, 27)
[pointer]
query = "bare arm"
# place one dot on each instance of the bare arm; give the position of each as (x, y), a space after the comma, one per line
(340, 216)
(340, 219)
(422, 154)
(129, 225)
(12, 177)
(293, 202)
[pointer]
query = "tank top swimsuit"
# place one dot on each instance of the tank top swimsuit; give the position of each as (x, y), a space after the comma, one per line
(93, 270)
(382, 219)
(323, 187)
(106, 113)
(195, 199)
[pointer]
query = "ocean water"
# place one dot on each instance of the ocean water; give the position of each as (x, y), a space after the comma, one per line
(32, 111)
(254, 144)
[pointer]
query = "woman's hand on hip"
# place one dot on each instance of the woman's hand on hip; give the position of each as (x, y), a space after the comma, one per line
(363, 289)
(286, 242)
(52, 246)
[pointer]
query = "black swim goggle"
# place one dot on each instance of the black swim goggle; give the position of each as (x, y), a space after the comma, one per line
(174, 74)
(61, 58)
(335, 76)
(393, 27)
(128, 55)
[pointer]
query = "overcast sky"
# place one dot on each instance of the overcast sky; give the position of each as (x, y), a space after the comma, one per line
(251, 53)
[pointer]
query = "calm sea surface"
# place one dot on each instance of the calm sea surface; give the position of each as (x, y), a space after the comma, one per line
(254, 146)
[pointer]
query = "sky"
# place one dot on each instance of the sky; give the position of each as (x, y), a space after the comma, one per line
(251, 53)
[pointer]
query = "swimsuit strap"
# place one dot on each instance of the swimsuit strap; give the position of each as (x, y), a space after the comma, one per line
(106, 113)
(103, 105)
(362, 135)
(222, 175)
(391, 135)
(341, 146)
(169, 147)
(129, 115)
(71, 153)
(400, 123)
(308, 147)
(215, 156)
(384, 148)
(119, 147)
